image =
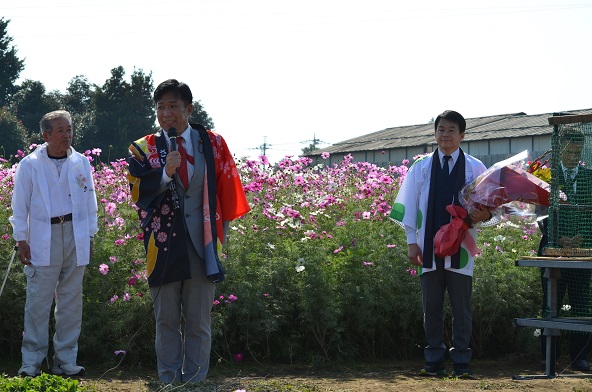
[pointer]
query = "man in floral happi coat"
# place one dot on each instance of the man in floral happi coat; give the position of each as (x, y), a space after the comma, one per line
(186, 185)
(54, 219)
(432, 183)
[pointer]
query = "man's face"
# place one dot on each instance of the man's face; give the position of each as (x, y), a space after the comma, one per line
(571, 154)
(448, 136)
(172, 112)
(59, 139)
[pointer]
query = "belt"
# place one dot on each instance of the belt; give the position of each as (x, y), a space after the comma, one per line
(61, 219)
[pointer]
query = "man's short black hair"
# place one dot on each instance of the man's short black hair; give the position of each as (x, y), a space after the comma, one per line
(453, 116)
(570, 134)
(174, 86)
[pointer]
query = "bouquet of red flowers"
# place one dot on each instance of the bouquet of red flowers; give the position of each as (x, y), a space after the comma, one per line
(505, 182)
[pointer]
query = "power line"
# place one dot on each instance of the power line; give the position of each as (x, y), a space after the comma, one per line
(263, 147)
(266, 146)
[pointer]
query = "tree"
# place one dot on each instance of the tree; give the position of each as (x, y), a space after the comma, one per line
(79, 95)
(30, 104)
(142, 117)
(78, 100)
(14, 134)
(10, 65)
(124, 112)
(311, 147)
(200, 116)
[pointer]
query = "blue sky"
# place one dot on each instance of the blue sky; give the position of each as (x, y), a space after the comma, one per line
(286, 71)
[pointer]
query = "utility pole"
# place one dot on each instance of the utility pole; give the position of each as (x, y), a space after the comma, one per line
(264, 146)
(314, 141)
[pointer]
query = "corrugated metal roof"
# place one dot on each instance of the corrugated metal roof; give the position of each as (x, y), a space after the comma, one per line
(500, 126)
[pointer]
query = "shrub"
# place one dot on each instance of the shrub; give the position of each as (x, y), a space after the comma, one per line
(316, 272)
(44, 383)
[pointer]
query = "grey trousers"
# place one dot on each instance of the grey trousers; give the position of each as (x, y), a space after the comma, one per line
(62, 278)
(184, 355)
(460, 287)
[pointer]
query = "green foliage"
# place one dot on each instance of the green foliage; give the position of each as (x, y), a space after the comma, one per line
(200, 116)
(44, 383)
(123, 112)
(78, 101)
(10, 65)
(30, 103)
(501, 291)
(316, 273)
(14, 134)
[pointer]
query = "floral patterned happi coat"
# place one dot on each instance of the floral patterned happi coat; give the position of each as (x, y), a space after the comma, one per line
(159, 208)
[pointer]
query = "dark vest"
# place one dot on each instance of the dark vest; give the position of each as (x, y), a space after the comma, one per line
(443, 191)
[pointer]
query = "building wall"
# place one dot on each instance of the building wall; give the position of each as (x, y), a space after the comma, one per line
(488, 151)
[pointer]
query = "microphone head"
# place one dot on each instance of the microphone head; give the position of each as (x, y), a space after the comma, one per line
(172, 132)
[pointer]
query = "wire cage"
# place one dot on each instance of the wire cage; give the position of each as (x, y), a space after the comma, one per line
(570, 202)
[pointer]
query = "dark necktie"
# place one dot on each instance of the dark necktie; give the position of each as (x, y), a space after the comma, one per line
(569, 182)
(182, 170)
(446, 166)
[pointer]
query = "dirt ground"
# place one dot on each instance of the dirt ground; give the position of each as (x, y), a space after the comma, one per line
(395, 376)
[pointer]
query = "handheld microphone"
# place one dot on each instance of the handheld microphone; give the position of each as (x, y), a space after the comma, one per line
(172, 133)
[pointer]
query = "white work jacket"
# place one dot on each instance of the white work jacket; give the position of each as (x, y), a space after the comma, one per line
(31, 206)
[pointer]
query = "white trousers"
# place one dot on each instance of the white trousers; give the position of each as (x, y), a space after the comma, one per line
(61, 280)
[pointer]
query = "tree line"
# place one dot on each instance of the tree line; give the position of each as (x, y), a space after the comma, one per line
(107, 116)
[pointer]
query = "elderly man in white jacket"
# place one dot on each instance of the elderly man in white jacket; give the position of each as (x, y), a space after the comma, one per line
(54, 220)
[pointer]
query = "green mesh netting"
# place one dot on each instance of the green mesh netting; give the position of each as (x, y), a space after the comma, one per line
(570, 202)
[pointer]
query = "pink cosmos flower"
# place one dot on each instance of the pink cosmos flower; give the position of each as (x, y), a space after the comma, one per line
(110, 208)
(104, 269)
(113, 259)
(412, 271)
(114, 298)
(325, 155)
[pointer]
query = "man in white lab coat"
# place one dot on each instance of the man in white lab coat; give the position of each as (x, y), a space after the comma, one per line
(54, 220)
